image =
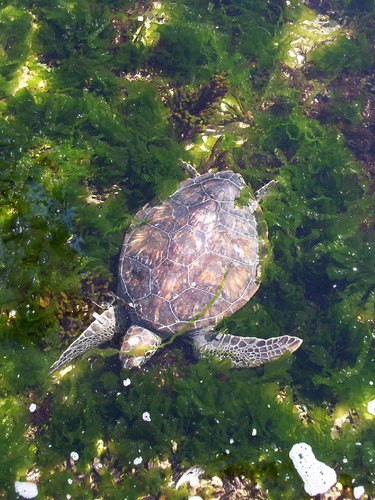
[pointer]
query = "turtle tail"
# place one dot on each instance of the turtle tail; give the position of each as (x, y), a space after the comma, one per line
(246, 351)
(101, 330)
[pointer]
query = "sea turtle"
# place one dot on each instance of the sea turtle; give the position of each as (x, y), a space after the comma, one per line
(186, 264)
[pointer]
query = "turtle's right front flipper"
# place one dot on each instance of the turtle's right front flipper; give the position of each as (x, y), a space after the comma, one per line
(101, 330)
(246, 351)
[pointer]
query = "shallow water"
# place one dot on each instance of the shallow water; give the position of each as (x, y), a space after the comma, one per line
(99, 100)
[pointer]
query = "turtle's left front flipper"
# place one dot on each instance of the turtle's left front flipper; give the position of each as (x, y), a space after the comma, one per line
(246, 351)
(101, 330)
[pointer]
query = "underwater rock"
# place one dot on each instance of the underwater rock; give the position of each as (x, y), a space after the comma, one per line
(25, 489)
(317, 476)
(194, 109)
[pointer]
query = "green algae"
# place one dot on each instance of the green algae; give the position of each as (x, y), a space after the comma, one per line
(186, 51)
(86, 138)
(344, 55)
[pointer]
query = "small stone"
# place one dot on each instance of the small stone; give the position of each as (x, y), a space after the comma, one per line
(32, 407)
(358, 491)
(127, 382)
(25, 489)
(216, 482)
(137, 460)
(254, 432)
(371, 407)
(70, 481)
(74, 456)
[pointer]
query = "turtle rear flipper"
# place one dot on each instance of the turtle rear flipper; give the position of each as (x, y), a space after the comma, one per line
(246, 351)
(101, 330)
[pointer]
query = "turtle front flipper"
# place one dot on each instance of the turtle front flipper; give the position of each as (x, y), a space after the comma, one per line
(101, 330)
(138, 345)
(245, 351)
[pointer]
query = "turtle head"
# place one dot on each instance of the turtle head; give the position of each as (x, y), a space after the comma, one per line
(138, 345)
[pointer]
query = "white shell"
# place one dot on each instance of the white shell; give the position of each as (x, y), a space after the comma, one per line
(26, 489)
(74, 456)
(317, 476)
(191, 476)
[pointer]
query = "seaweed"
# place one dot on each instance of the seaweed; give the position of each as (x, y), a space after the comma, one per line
(193, 110)
(345, 55)
(87, 137)
(186, 51)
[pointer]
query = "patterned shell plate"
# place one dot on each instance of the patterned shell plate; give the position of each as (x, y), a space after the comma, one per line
(192, 260)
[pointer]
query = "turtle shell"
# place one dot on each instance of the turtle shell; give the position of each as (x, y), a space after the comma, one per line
(193, 259)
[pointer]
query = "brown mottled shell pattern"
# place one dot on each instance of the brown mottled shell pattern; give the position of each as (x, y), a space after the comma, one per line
(178, 255)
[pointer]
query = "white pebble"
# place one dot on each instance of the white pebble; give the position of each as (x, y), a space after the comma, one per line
(32, 407)
(74, 456)
(254, 432)
(137, 460)
(70, 481)
(216, 482)
(68, 496)
(317, 476)
(358, 491)
(127, 382)
(146, 416)
(371, 407)
(25, 489)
